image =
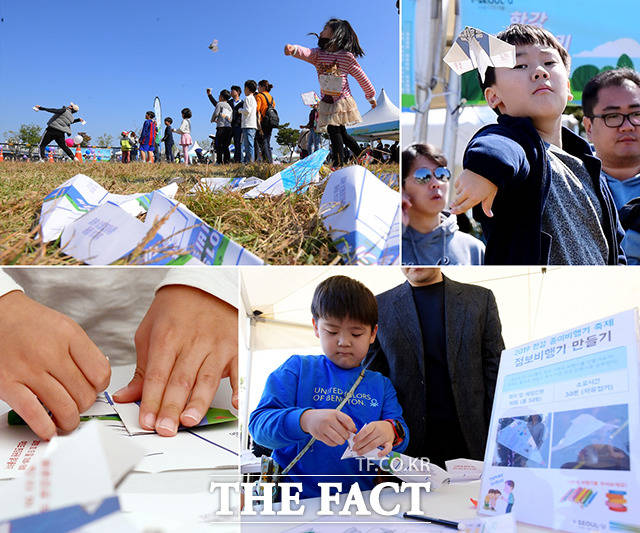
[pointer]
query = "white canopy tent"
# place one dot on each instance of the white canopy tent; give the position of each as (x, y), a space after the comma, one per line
(533, 302)
(381, 122)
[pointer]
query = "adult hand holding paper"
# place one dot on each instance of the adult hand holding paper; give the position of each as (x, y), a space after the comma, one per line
(47, 362)
(474, 48)
(185, 344)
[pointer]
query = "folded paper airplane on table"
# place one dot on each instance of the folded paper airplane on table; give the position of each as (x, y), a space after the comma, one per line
(80, 469)
(362, 215)
(476, 49)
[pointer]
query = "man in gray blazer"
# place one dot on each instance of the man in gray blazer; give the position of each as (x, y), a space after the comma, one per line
(439, 341)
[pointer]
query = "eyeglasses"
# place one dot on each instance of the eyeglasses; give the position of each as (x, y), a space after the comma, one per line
(615, 120)
(424, 174)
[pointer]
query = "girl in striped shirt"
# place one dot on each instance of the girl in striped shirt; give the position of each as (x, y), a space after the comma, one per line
(334, 59)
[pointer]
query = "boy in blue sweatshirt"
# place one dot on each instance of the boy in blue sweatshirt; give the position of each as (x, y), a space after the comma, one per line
(539, 183)
(301, 396)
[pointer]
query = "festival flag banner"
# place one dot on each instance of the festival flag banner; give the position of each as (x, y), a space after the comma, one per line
(294, 178)
(562, 450)
(79, 195)
(362, 215)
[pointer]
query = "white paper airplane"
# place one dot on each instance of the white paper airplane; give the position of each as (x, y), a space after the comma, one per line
(294, 178)
(476, 49)
(79, 195)
(362, 215)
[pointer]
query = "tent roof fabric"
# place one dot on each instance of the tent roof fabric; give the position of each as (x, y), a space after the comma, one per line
(382, 122)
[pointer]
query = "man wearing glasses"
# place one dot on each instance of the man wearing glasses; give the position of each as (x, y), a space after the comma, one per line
(611, 103)
(431, 235)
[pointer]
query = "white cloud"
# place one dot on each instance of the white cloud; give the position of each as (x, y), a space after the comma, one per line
(616, 48)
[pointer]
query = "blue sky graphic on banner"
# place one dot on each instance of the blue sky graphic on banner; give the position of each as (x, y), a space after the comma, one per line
(597, 35)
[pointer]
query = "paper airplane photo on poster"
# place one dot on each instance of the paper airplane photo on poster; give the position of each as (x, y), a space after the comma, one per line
(476, 49)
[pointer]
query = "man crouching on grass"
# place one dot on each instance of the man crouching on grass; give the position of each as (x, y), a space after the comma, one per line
(302, 398)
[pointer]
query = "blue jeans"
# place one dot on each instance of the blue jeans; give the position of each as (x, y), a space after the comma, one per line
(315, 141)
(248, 135)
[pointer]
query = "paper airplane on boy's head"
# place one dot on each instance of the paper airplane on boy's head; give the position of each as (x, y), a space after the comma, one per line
(475, 48)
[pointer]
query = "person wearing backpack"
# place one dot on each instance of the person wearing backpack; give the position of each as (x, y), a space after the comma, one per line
(267, 119)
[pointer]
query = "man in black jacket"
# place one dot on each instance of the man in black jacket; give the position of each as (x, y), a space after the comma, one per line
(58, 125)
(439, 341)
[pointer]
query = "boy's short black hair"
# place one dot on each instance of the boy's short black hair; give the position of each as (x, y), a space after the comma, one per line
(169, 120)
(522, 35)
(186, 113)
(236, 88)
(251, 85)
(411, 153)
(510, 483)
(225, 95)
(342, 297)
(608, 78)
(151, 114)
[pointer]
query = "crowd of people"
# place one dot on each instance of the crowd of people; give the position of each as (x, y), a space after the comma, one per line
(537, 189)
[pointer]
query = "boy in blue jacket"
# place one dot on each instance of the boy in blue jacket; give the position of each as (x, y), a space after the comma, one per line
(301, 396)
(539, 183)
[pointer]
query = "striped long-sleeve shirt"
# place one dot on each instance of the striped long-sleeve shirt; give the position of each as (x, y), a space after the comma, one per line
(346, 62)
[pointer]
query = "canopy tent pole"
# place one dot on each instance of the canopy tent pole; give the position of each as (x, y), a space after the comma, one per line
(454, 107)
(429, 36)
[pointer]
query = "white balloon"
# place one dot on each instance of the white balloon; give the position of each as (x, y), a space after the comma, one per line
(78, 139)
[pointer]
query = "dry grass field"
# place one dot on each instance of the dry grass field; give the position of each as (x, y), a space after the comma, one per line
(283, 230)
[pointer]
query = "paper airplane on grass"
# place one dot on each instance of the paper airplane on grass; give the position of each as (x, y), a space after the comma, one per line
(294, 178)
(79, 195)
(230, 184)
(108, 233)
(476, 49)
(186, 231)
(362, 215)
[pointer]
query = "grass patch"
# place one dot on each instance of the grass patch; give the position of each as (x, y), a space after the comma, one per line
(282, 230)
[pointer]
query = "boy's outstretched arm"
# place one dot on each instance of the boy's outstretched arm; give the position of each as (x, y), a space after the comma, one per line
(186, 343)
(47, 363)
(472, 189)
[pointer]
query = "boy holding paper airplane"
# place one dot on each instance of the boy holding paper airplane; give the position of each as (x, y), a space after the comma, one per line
(330, 398)
(539, 184)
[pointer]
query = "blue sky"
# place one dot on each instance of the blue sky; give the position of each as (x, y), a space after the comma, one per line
(112, 60)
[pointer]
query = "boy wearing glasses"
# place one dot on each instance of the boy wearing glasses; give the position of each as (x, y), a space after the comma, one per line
(611, 103)
(539, 184)
(431, 235)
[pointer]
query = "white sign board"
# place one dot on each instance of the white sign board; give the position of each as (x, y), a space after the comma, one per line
(563, 446)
